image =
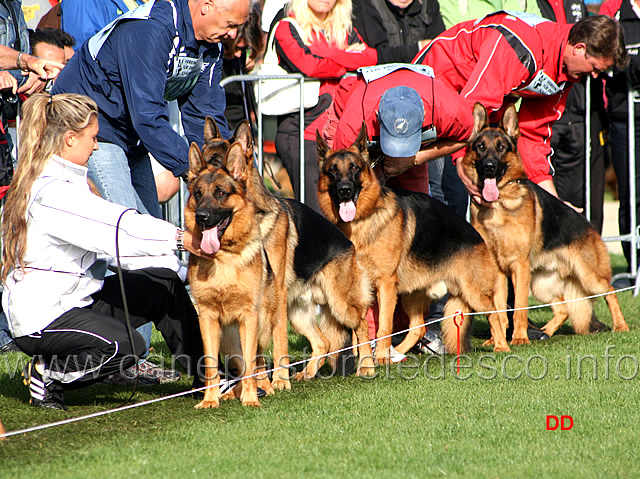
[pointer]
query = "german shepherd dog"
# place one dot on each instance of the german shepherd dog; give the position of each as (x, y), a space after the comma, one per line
(237, 285)
(313, 264)
(540, 242)
(410, 244)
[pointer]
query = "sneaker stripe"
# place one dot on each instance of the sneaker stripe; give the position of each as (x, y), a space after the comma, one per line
(37, 392)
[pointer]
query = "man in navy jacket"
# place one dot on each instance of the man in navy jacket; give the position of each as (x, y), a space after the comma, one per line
(161, 51)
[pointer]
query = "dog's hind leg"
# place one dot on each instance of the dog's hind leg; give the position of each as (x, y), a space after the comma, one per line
(415, 304)
(601, 285)
(303, 320)
(619, 324)
(335, 333)
(560, 315)
(521, 278)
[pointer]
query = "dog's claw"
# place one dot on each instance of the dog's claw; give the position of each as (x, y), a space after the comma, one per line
(520, 341)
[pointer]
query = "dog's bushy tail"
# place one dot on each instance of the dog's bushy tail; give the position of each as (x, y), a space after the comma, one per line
(450, 330)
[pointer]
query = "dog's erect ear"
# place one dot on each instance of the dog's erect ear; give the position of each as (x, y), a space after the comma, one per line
(361, 140)
(323, 148)
(211, 131)
(480, 119)
(235, 162)
(509, 122)
(196, 161)
(361, 143)
(242, 135)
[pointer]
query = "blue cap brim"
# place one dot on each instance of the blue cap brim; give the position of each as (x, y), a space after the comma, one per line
(399, 147)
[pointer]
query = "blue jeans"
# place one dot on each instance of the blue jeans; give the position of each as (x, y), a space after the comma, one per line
(126, 181)
(4, 330)
(445, 185)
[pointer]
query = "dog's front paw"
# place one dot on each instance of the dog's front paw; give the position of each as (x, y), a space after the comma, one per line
(302, 376)
(266, 385)
(488, 342)
(207, 405)
(366, 371)
(383, 357)
(281, 384)
(502, 349)
(520, 341)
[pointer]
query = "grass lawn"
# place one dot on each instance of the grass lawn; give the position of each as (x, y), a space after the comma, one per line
(415, 419)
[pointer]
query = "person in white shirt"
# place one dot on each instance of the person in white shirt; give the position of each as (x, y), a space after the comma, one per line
(61, 309)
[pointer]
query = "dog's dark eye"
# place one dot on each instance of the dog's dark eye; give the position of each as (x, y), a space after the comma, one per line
(500, 147)
(481, 146)
(354, 167)
(333, 169)
(197, 194)
(218, 194)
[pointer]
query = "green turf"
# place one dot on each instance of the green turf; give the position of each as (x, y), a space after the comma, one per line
(418, 419)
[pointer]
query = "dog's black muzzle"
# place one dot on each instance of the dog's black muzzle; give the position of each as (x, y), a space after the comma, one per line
(207, 218)
(345, 190)
(488, 167)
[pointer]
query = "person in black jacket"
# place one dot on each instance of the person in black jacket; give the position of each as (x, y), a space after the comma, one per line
(568, 132)
(397, 29)
(617, 90)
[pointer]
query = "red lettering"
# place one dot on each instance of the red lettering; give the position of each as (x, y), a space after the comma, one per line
(555, 418)
(562, 424)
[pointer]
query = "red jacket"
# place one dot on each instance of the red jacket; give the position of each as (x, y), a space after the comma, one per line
(319, 60)
(356, 101)
(492, 61)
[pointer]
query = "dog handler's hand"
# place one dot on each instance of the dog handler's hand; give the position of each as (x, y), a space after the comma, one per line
(394, 166)
(551, 188)
(471, 188)
(191, 243)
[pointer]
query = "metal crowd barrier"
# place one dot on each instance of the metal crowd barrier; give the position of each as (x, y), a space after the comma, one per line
(633, 237)
(260, 79)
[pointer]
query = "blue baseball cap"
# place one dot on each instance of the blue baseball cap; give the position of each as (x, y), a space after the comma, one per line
(401, 114)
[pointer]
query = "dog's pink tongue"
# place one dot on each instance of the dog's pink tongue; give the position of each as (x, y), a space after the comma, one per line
(210, 243)
(490, 191)
(347, 211)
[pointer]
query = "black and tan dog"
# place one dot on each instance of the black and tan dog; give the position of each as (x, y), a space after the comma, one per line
(237, 285)
(409, 244)
(537, 240)
(313, 264)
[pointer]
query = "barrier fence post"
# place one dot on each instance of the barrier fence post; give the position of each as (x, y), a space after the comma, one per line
(632, 236)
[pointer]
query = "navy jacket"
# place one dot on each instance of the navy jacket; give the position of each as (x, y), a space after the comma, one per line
(127, 80)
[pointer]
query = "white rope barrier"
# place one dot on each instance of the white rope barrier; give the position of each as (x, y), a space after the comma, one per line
(297, 363)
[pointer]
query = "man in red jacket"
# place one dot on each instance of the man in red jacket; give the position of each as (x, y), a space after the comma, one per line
(506, 55)
(411, 118)
(445, 121)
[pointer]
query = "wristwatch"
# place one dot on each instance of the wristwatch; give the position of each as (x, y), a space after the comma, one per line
(180, 239)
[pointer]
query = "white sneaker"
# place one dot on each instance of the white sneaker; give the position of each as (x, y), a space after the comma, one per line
(430, 344)
(394, 355)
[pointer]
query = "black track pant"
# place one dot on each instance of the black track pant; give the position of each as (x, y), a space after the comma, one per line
(86, 344)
